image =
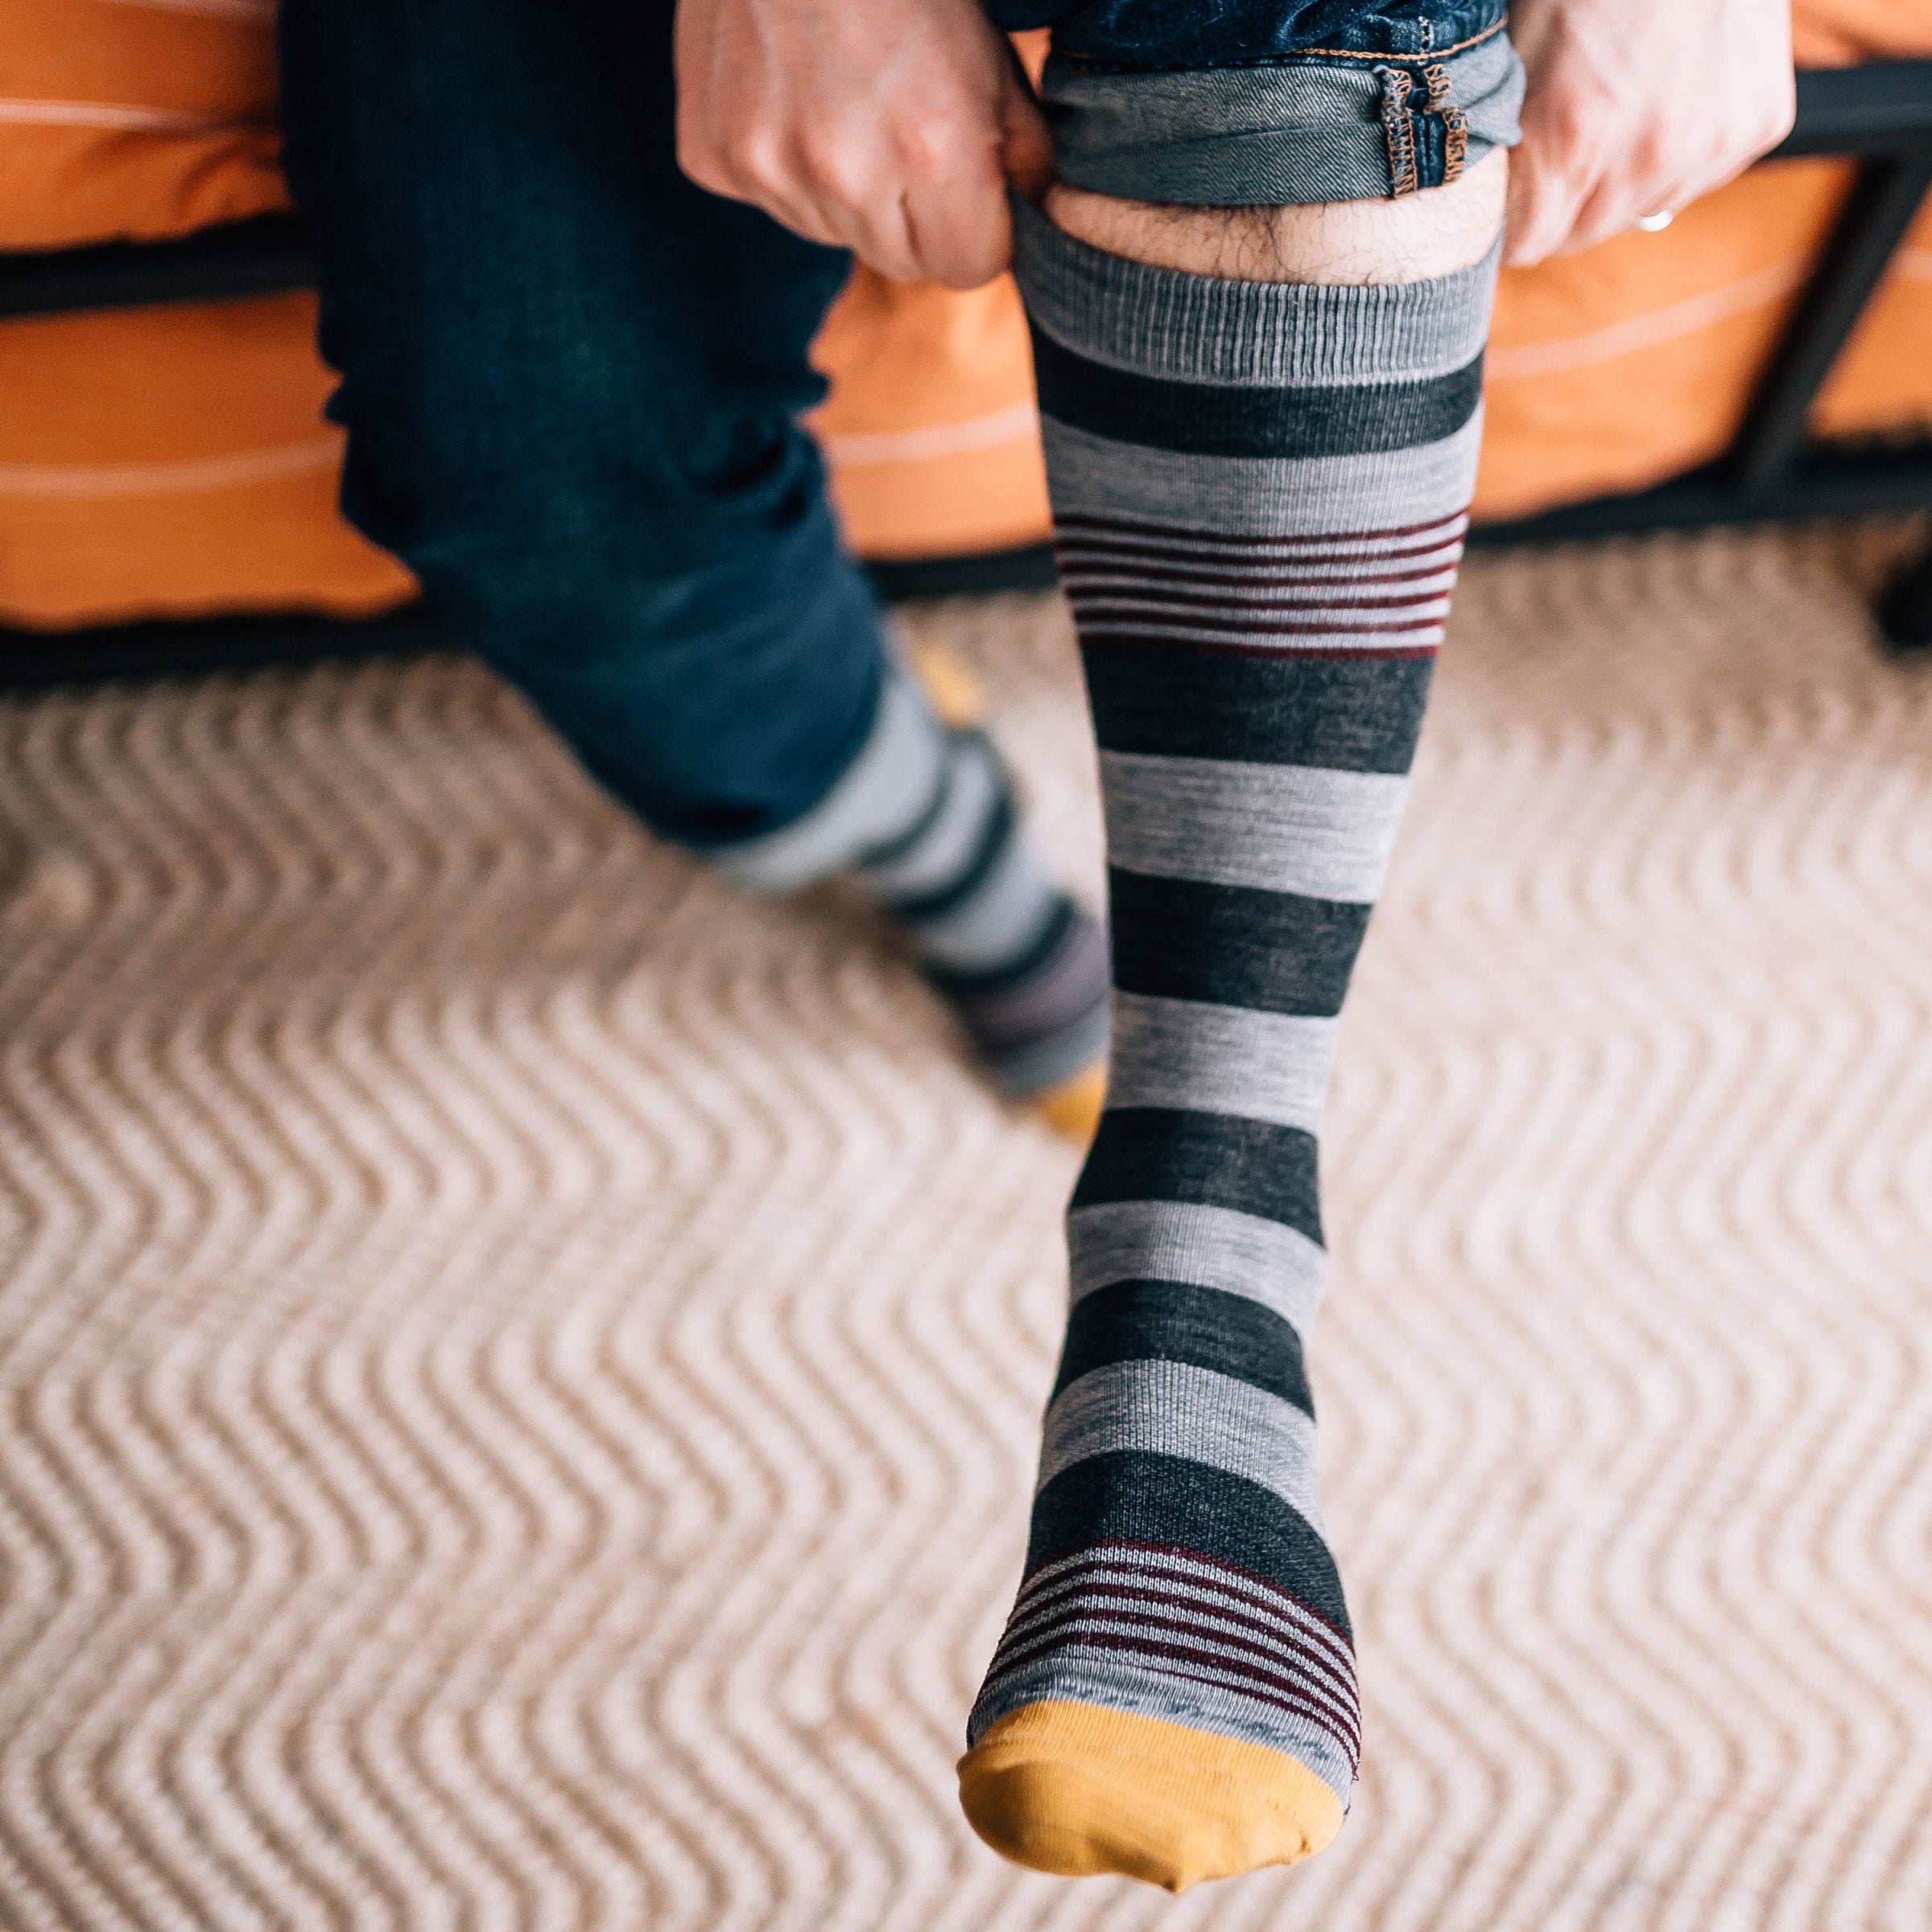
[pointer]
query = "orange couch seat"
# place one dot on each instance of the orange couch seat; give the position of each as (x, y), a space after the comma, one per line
(172, 460)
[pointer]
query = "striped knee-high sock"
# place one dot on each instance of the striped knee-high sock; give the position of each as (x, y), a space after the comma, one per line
(926, 818)
(1259, 491)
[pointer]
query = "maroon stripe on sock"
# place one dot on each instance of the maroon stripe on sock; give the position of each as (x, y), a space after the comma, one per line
(1264, 578)
(1187, 1558)
(1149, 1599)
(1170, 556)
(1182, 1617)
(1264, 1687)
(1181, 596)
(1321, 1688)
(1274, 1604)
(1363, 653)
(1234, 626)
(1206, 539)
(1307, 1642)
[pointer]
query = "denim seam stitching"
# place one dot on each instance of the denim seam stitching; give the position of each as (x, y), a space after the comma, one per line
(1293, 57)
(1399, 131)
(1456, 122)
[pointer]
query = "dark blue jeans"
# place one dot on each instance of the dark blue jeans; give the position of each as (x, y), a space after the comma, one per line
(571, 380)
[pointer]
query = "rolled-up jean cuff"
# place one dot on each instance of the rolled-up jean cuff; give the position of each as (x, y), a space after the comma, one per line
(1290, 131)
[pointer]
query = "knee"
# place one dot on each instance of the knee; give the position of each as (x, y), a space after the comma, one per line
(570, 516)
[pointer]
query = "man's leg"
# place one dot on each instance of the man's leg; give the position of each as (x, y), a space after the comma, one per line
(571, 382)
(1261, 421)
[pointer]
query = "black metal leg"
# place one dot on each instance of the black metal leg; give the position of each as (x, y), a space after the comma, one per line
(1905, 612)
(1878, 211)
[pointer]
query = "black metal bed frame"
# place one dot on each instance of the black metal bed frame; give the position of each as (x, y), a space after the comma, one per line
(1879, 114)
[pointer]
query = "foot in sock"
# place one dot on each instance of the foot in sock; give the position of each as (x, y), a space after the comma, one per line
(1259, 493)
(926, 818)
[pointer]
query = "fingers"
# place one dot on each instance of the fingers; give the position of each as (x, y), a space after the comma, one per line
(1026, 144)
(887, 128)
(1636, 107)
(954, 199)
(920, 213)
(956, 212)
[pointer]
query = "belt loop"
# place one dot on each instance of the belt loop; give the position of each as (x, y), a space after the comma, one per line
(1398, 131)
(1456, 122)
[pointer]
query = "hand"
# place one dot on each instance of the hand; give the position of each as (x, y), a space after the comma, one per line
(891, 127)
(1635, 107)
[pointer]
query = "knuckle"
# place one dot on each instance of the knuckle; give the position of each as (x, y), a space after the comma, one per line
(921, 151)
(832, 167)
(757, 162)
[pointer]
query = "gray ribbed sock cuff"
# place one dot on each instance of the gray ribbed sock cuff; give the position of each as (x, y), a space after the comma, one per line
(1202, 328)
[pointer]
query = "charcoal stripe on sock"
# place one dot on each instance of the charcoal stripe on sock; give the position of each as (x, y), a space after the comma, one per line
(1190, 1508)
(1213, 1160)
(1240, 420)
(1348, 714)
(1179, 939)
(1172, 1322)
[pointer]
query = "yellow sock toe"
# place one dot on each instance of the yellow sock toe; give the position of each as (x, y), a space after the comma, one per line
(1075, 1789)
(1073, 1108)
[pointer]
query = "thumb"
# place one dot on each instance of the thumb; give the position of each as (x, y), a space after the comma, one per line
(1538, 210)
(1025, 145)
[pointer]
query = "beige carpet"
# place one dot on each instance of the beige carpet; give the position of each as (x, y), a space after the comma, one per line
(520, 1367)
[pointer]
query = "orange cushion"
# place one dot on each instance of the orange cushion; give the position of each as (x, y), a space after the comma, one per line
(173, 461)
(1614, 368)
(1838, 33)
(134, 117)
(1882, 381)
(931, 430)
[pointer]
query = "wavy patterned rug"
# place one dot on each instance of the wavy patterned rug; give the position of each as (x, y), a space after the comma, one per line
(520, 1367)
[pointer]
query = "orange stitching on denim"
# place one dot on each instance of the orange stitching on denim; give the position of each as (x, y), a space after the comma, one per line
(1302, 53)
(1436, 53)
(1398, 131)
(1456, 122)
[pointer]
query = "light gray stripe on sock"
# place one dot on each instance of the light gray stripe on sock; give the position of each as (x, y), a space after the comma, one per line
(1259, 496)
(944, 849)
(1204, 1059)
(1200, 328)
(1299, 828)
(1199, 1247)
(1193, 1414)
(1005, 914)
(884, 789)
(1082, 1675)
